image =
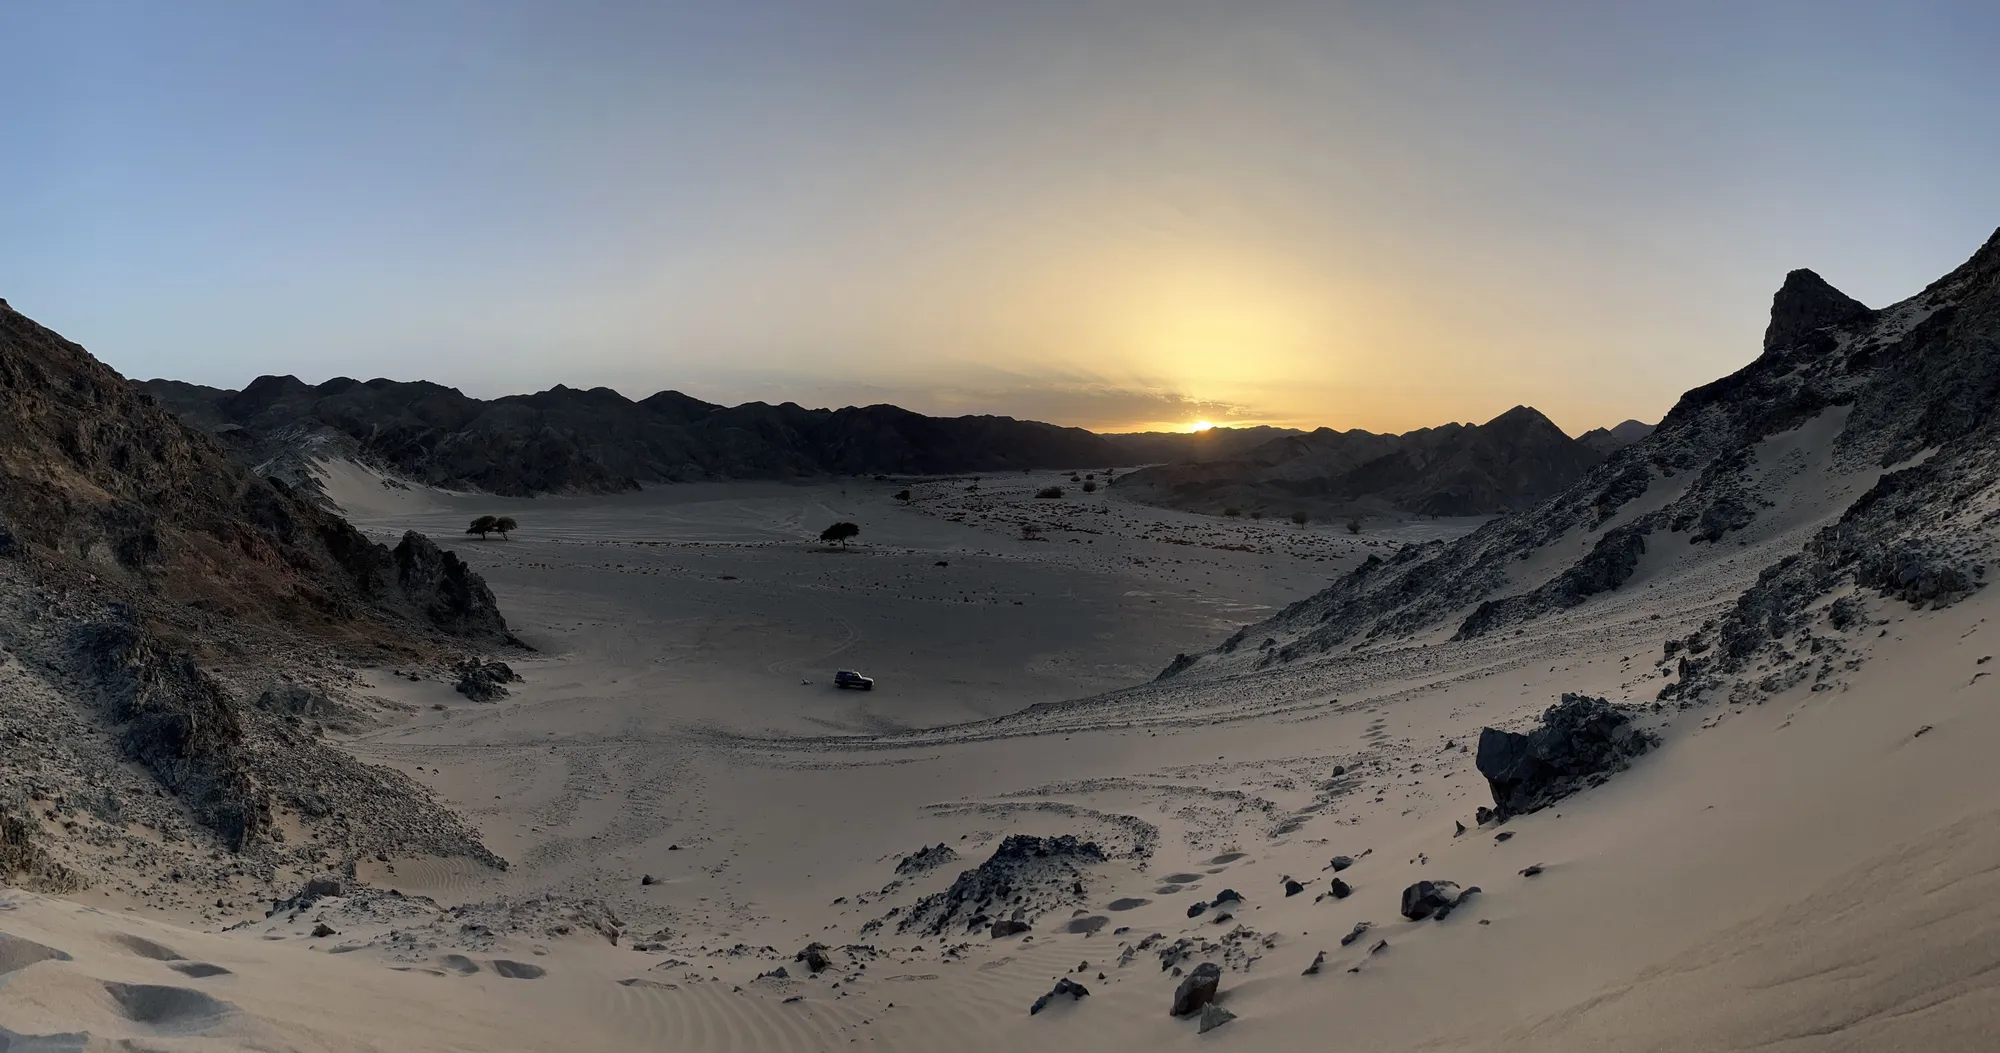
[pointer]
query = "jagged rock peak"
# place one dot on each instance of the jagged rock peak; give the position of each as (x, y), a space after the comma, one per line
(1806, 303)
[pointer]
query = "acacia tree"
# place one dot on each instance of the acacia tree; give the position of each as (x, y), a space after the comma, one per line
(504, 524)
(841, 532)
(483, 526)
(1301, 518)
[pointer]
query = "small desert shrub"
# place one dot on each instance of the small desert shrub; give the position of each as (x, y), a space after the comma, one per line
(1354, 525)
(1090, 488)
(1051, 492)
(1232, 512)
(1301, 518)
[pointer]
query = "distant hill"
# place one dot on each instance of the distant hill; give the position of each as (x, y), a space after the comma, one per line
(1510, 462)
(1174, 447)
(566, 440)
(1609, 440)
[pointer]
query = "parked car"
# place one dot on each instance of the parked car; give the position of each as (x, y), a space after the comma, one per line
(850, 678)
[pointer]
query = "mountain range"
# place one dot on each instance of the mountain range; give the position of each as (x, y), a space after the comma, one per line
(566, 440)
(1511, 462)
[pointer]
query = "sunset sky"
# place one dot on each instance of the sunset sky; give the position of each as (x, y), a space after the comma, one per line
(1135, 214)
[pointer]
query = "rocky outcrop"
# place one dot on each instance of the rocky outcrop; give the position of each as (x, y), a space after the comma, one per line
(1026, 875)
(483, 681)
(449, 594)
(1804, 305)
(926, 859)
(1580, 742)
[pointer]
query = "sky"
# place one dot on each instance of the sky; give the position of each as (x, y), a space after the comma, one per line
(1116, 215)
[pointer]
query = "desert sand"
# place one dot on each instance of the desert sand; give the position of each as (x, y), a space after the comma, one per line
(1814, 871)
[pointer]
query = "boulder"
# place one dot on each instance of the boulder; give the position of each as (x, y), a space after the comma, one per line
(1064, 986)
(1340, 863)
(1009, 927)
(1197, 989)
(815, 958)
(1293, 888)
(1212, 1017)
(1580, 742)
(1426, 898)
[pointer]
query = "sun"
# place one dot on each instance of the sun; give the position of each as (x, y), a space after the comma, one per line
(1200, 425)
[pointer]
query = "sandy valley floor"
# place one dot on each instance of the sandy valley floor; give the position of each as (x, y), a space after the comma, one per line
(1817, 872)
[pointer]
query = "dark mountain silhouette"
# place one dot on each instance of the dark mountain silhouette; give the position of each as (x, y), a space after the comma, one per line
(1510, 462)
(1175, 447)
(565, 440)
(1606, 441)
(1902, 403)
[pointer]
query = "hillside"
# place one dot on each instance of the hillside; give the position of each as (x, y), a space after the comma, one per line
(1861, 450)
(566, 440)
(1174, 447)
(1508, 463)
(176, 625)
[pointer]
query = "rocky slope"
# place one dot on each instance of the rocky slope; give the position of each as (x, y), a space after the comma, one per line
(564, 440)
(1511, 462)
(1607, 441)
(1897, 404)
(174, 632)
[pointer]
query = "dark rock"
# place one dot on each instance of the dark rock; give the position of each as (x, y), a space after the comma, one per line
(1212, 1017)
(1195, 909)
(1341, 863)
(646, 879)
(1064, 986)
(484, 681)
(1359, 928)
(323, 930)
(815, 958)
(1503, 836)
(1197, 989)
(1293, 888)
(1532, 870)
(1228, 895)
(1009, 927)
(1425, 898)
(1806, 303)
(445, 590)
(1338, 888)
(1581, 739)
(1052, 867)
(1313, 969)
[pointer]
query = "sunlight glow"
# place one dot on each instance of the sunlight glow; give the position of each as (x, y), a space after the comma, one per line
(1200, 425)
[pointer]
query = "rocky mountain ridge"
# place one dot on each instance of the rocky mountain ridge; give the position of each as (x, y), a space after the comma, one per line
(1511, 462)
(1899, 402)
(566, 440)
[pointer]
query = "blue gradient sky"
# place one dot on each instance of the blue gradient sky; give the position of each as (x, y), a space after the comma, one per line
(1382, 215)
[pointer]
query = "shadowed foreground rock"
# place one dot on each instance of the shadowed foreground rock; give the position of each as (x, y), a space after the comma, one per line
(1197, 989)
(1581, 742)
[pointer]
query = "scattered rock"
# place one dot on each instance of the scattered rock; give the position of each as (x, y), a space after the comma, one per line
(1214, 1016)
(1340, 863)
(1009, 927)
(1064, 986)
(1339, 889)
(1532, 870)
(1359, 928)
(1293, 888)
(1195, 909)
(1313, 969)
(323, 930)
